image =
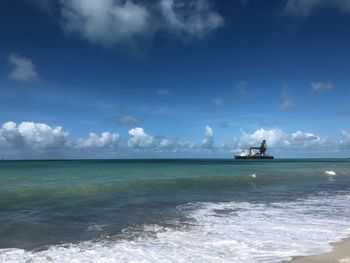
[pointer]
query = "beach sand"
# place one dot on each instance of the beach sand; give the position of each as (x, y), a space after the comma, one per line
(339, 254)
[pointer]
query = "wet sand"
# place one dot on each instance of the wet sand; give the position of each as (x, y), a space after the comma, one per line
(339, 254)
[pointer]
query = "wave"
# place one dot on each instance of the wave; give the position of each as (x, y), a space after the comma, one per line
(331, 173)
(217, 232)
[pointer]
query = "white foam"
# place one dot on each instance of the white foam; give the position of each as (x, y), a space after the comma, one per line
(218, 232)
(95, 227)
(253, 175)
(332, 173)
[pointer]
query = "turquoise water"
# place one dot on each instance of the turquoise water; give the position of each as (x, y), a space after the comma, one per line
(148, 210)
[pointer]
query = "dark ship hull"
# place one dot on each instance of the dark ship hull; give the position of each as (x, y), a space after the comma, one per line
(254, 157)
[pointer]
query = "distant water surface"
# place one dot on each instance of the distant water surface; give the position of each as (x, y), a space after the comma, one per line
(183, 210)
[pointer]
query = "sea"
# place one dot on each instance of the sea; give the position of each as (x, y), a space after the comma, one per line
(172, 210)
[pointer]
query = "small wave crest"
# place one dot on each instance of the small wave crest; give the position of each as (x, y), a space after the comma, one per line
(253, 175)
(95, 227)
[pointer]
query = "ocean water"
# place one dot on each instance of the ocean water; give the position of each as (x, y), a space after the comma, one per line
(172, 210)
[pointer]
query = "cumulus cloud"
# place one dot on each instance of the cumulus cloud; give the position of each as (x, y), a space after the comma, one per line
(106, 140)
(195, 18)
(127, 120)
(277, 138)
(307, 7)
(303, 136)
(187, 144)
(140, 139)
(39, 136)
(32, 135)
(306, 140)
(177, 145)
(208, 141)
(105, 22)
(274, 137)
(345, 139)
(23, 68)
(166, 143)
(321, 86)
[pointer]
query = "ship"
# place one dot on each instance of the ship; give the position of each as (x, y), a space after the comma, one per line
(251, 154)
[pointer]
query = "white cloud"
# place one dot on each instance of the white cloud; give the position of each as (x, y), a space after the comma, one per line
(217, 101)
(116, 22)
(105, 22)
(166, 143)
(23, 68)
(176, 145)
(274, 137)
(303, 136)
(140, 139)
(35, 136)
(32, 135)
(306, 140)
(29, 138)
(307, 7)
(345, 139)
(187, 144)
(194, 18)
(208, 141)
(279, 139)
(322, 86)
(106, 140)
(127, 120)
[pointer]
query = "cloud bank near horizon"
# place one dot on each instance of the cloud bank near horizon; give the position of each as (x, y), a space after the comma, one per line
(41, 137)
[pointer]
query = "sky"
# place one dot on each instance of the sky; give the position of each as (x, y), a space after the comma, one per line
(173, 78)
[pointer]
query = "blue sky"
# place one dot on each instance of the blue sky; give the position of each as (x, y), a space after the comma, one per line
(173, 78)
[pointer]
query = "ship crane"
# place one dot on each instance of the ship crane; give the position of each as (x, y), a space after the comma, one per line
(262, 149)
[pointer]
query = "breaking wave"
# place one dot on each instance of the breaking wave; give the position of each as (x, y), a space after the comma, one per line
(216, 232)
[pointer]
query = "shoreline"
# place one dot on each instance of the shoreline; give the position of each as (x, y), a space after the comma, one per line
(340, 254)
